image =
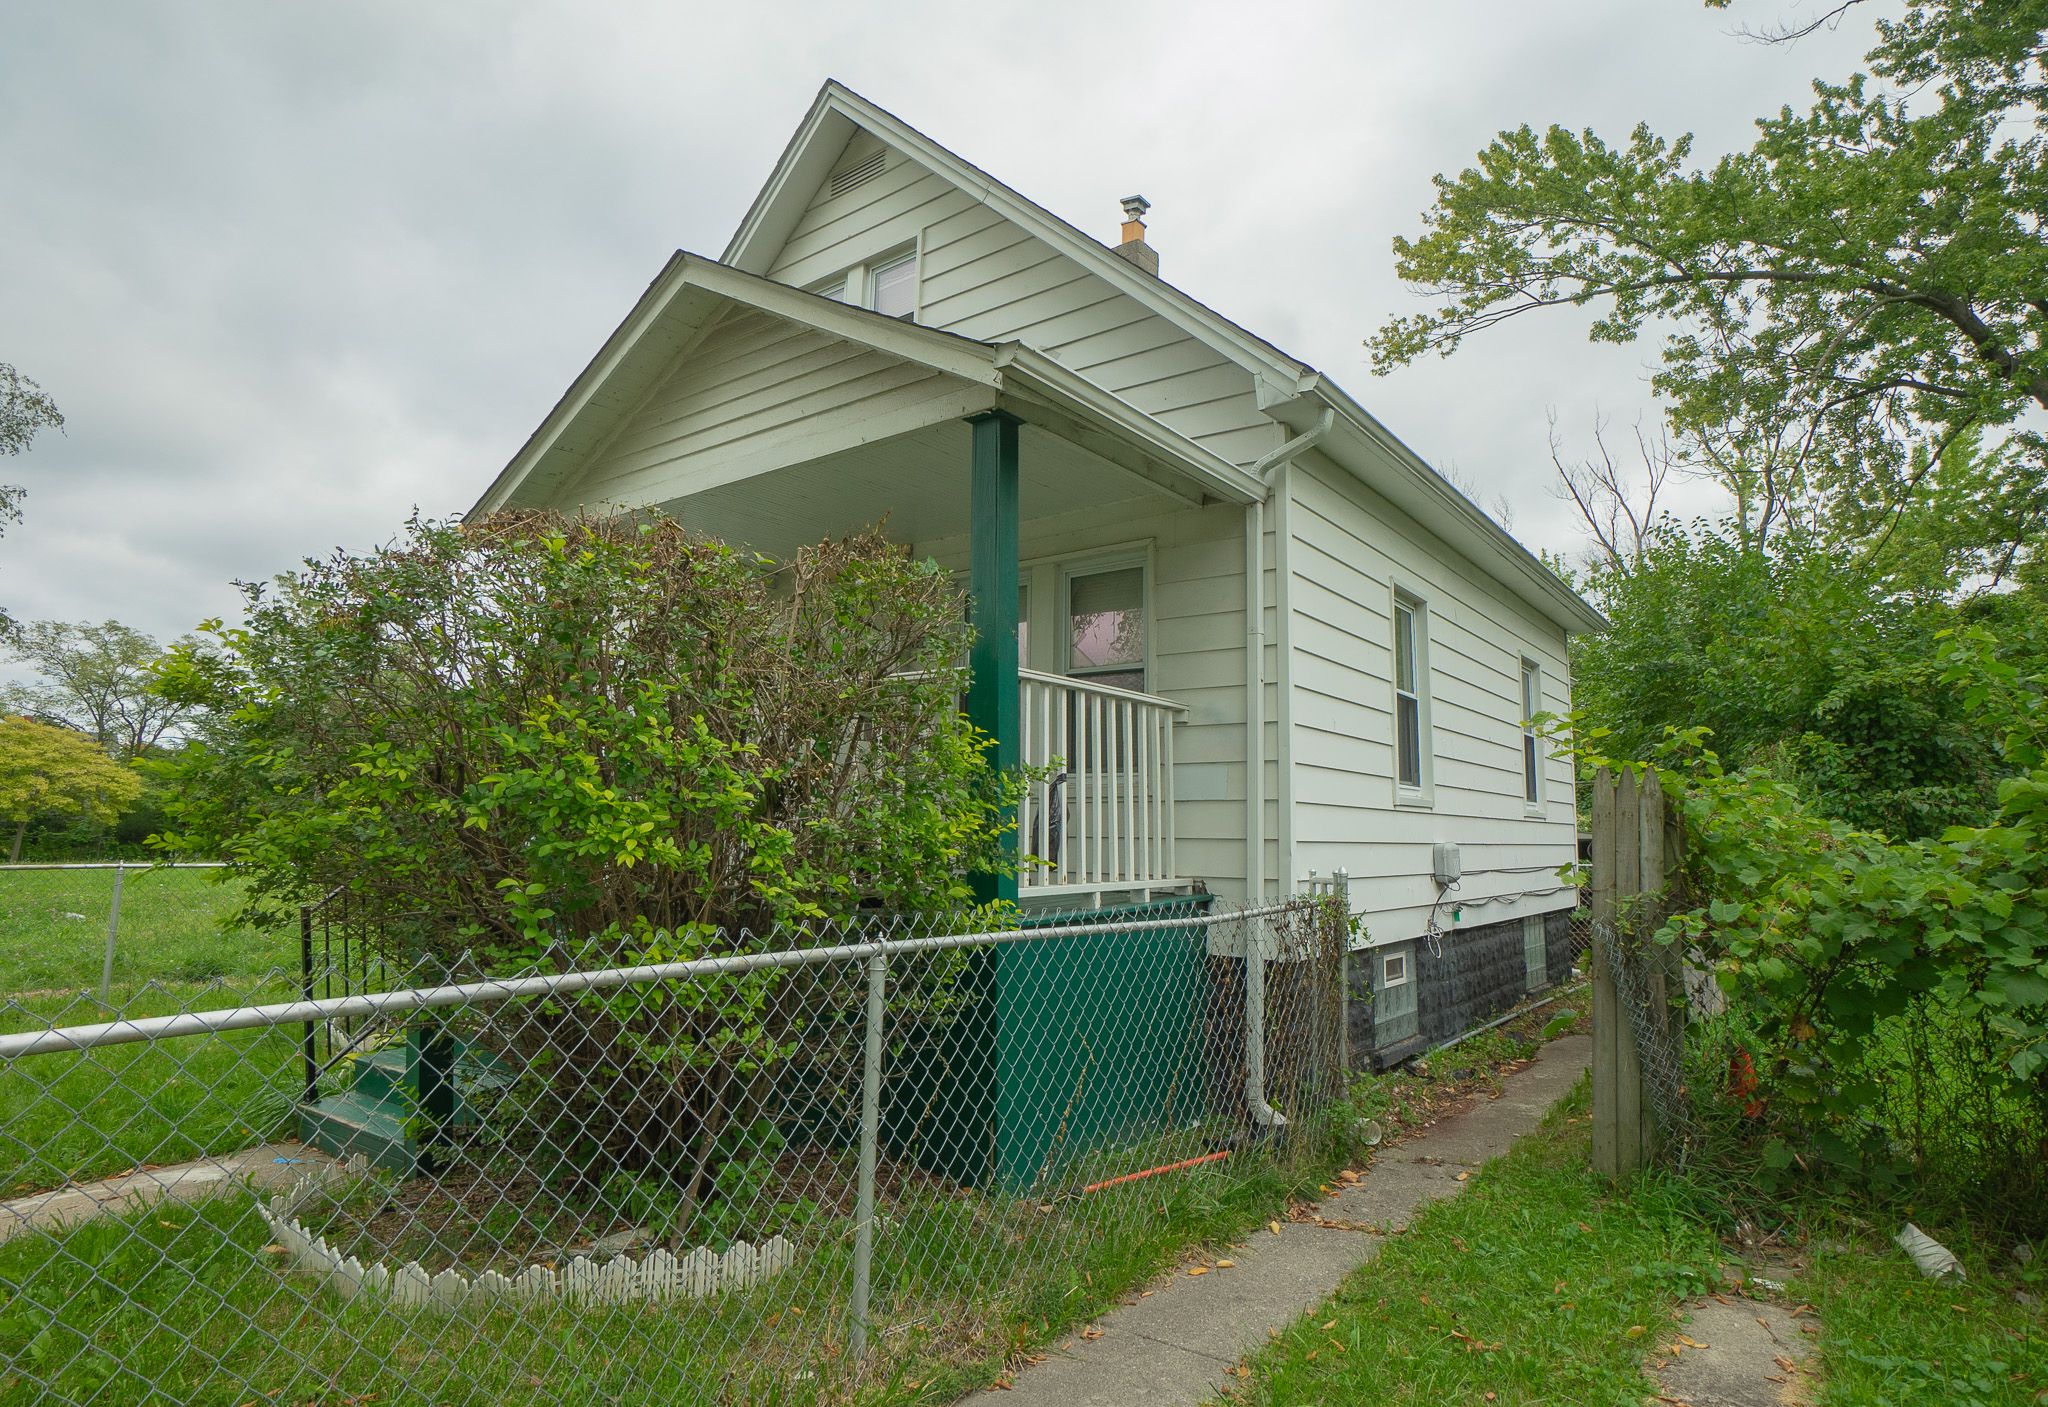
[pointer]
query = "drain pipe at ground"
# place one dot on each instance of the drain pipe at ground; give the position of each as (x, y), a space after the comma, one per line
(1263, 1113)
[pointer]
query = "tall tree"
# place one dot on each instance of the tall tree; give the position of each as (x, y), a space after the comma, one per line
(50, 771)
(1864, 287)
(98, 680)
(25, 411)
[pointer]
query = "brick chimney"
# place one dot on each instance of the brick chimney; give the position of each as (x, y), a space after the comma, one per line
(1133, 246)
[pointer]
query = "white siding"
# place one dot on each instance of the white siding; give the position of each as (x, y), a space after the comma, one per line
(1197, 639)
(985, 278)
(757, 393)
(1350, 550)
(743, 401)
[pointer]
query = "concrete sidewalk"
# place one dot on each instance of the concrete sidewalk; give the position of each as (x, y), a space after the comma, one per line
(1173, 1347)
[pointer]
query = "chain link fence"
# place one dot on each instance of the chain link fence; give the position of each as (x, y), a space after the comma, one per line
(108, 928)
(1653, 993)
(846, 1162)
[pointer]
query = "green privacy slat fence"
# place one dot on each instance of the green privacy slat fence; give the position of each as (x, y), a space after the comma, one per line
(1098, 1041)
(1058, 1049)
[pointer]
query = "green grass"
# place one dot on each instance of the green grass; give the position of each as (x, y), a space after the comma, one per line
(81, 1115)
(53, 931)
(1888, 1335)
(1531, 1287)
(1537, 1286)
(185, 1304)
(87, 1115)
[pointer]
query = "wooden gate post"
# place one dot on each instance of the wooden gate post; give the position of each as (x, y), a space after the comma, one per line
(1635, 861)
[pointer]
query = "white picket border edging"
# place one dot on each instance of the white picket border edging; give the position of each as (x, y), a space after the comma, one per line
(659, 1275)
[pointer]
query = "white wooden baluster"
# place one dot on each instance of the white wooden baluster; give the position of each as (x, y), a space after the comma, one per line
(1027, 757)
(1142, 773)
(1167, 860)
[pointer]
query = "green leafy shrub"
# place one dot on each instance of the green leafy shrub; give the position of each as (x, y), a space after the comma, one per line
(1891, 997)
(541, 743)
(1800, 665)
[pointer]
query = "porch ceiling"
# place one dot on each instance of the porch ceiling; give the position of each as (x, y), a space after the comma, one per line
(917, 482)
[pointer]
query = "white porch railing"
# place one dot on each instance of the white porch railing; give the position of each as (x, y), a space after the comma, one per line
(1103, 817)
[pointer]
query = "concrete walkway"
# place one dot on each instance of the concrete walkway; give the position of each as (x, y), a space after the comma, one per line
(1174, 1345)
(268, 1167)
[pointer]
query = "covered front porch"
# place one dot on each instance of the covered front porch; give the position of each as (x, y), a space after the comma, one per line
(1061, 675)
(773, 418)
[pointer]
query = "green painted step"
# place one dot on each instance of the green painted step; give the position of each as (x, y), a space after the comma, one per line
(349, 1123)
(371, 1115)
(380, 1073)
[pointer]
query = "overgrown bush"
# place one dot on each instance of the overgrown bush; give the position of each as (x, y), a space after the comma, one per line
(1888, 1000)
(1799, 664)
(549, 743)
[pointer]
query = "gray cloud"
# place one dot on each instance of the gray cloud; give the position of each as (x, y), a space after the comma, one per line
(292, 270)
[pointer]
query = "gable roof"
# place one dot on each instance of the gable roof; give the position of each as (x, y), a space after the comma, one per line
(1288, 389)
(838, 112)
(692, 292)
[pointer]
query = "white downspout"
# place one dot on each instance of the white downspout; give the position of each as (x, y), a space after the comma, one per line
(1255, 765)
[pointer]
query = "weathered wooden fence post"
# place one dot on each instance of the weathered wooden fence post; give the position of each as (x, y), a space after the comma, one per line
(1636, 852)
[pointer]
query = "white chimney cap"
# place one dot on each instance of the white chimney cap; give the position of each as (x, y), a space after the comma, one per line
(1135, 207)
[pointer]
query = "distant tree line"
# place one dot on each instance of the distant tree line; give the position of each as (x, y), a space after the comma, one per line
(76, 738)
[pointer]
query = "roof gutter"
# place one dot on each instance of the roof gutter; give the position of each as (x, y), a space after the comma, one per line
(1267, 465)
(1519, 569)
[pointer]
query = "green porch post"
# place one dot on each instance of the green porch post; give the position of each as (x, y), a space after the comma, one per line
(992, 579)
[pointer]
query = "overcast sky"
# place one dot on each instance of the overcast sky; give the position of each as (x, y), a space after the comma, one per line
(292, 270)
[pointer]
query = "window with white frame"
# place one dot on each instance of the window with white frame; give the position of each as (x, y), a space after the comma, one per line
(892, 287)
(1393, 970)
(888, 285)
(1411, 721)
(1532, 704)
(1106, 627)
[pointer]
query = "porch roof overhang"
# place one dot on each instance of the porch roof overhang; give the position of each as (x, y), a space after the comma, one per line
(690, 294)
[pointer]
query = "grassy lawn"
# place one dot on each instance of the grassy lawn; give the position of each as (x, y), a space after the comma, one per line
(1529, 1288)
(1888, 1335)
(53, 931)
(1536, 1287)
(75, 1117)
(187, 1304)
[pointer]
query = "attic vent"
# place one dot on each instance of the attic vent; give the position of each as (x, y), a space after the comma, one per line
(846, 178)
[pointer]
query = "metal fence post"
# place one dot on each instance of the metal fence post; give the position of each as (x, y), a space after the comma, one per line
(307, 1053)
(1340, 885)
(113, 928)
(870, 1138)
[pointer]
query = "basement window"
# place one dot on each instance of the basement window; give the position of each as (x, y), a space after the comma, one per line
(1393, 970)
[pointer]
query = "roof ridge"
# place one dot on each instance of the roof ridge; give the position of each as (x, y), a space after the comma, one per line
(836, 97)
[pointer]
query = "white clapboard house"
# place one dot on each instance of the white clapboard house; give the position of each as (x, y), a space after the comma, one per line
(1263, 638)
